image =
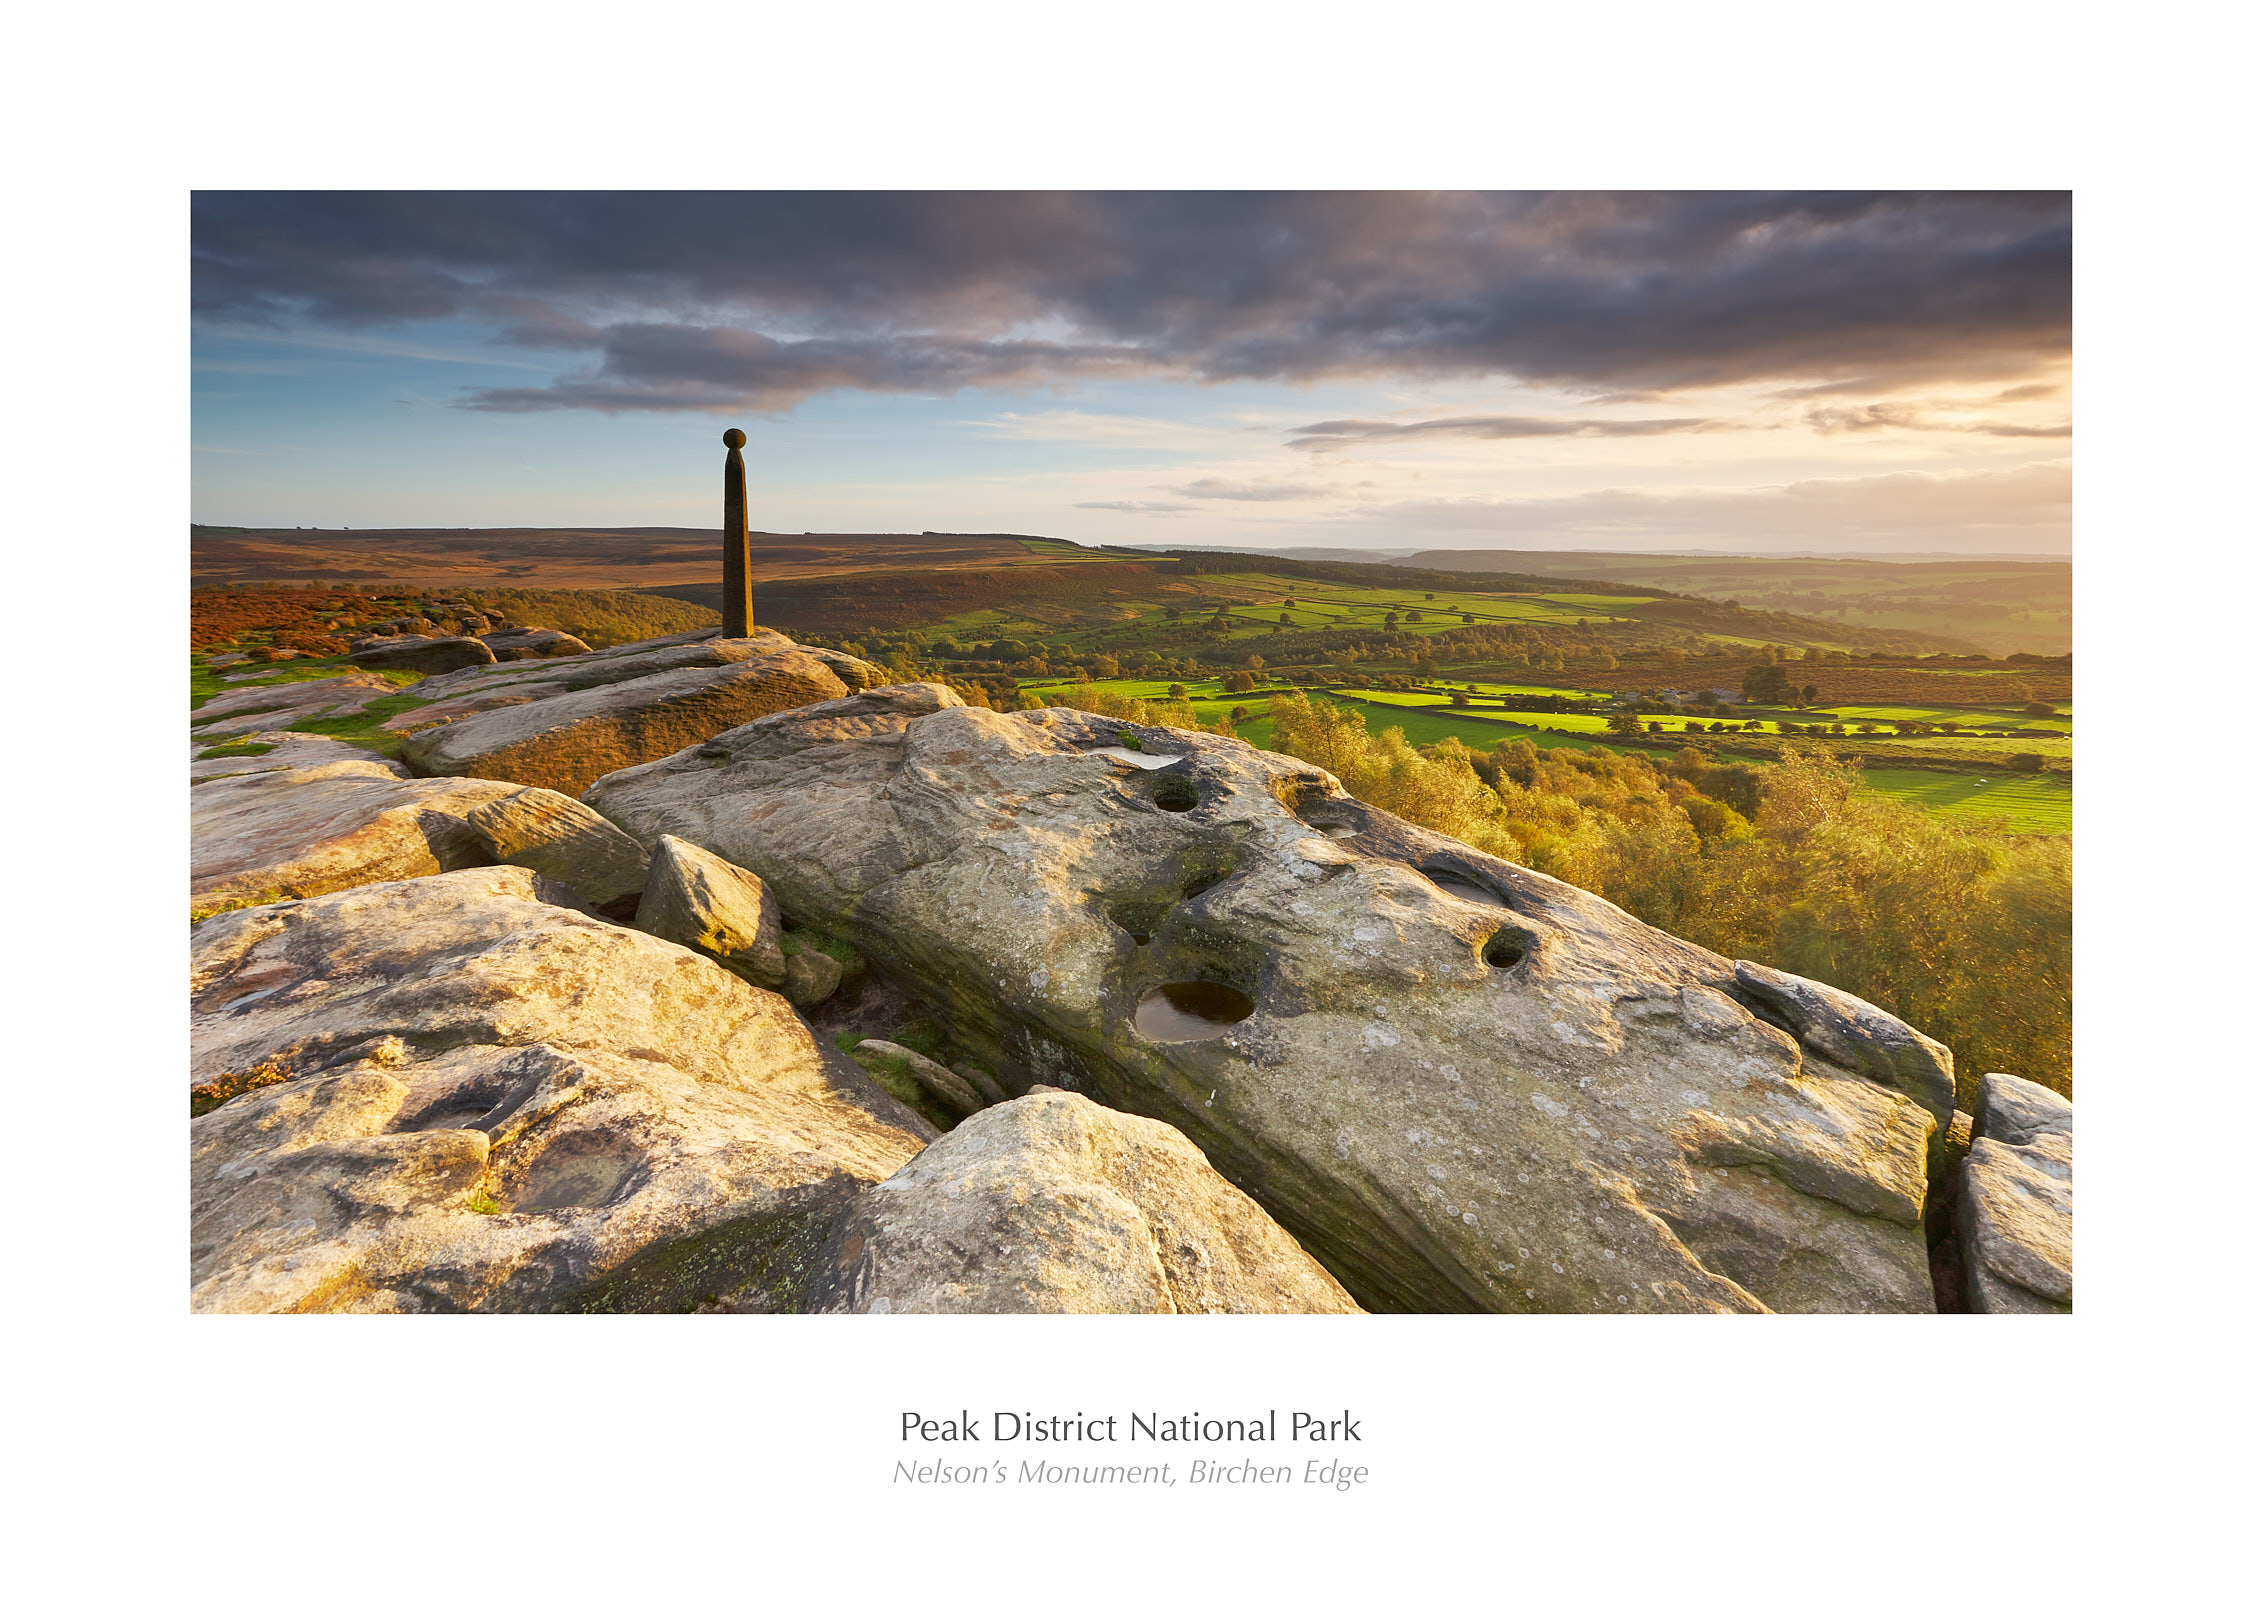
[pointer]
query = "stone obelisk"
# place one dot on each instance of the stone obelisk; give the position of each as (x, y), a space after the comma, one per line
(738, 582)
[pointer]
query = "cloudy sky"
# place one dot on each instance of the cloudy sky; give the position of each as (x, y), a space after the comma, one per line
(1730, 371)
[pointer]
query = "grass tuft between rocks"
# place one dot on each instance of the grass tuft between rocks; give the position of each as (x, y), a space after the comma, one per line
(366, 727)
(896, 1078)
(209, 1096)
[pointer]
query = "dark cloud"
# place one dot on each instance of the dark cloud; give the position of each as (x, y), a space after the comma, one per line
(670, 367)
(760, 300)
(1343, 435)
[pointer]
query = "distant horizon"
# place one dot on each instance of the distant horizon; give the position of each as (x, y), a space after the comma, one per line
(1379, 553)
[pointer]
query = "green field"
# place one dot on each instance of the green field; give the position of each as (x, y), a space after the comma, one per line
(2041, 803)
(1423, 728)
(1962, 716)
(1309, 604)
(1595, 723)
(2033, 804)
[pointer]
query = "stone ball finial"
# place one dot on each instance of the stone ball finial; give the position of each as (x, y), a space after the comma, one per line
(733, 438)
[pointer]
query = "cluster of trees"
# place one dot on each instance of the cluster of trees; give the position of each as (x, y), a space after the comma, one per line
(1960, 926)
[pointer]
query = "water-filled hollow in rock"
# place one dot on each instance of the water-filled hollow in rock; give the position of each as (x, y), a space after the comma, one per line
(1174, 1013)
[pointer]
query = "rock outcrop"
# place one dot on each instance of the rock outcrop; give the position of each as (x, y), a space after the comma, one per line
(701, 901)
(960, 1094)
(1050, 1203)
(529, 644)
(287, 832)
(294, 752)
(811, 978)
(452, 1095)
(263, 707)
(2015, 1211)
(563, 840)
(562, 724)
(442, 653)
(311, 815)
(1460, 1084)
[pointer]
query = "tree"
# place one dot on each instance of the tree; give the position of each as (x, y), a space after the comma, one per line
(1767, 682)
(1624, 721)
(1468, 617)
(1254, 663)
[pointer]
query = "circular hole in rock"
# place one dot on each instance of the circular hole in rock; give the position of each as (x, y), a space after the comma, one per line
(1173, 792)
(1335, 830)
(1507, 947)
(1177, 1012)
(1469, 889)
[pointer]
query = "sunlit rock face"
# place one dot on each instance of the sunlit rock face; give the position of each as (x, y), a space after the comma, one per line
(311, 816)
(1051, 1203)
(562, 723)
(2016, 1207)
(450, 1094)
(1461, 1085)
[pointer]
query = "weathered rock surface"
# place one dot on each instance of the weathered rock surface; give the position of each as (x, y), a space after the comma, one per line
(958, 1093)
(294, 831)
(529, 644)
(563, 724)
(811, 978)
(531, 680)
(1051, 1203)
(443, 653)
(491, 1103)
(699, 900)
(313, 815)
(1854, 1034)
(300, 752)
(2015, 1212)
(563, 840)
(259, 708)
(1524, 1101)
